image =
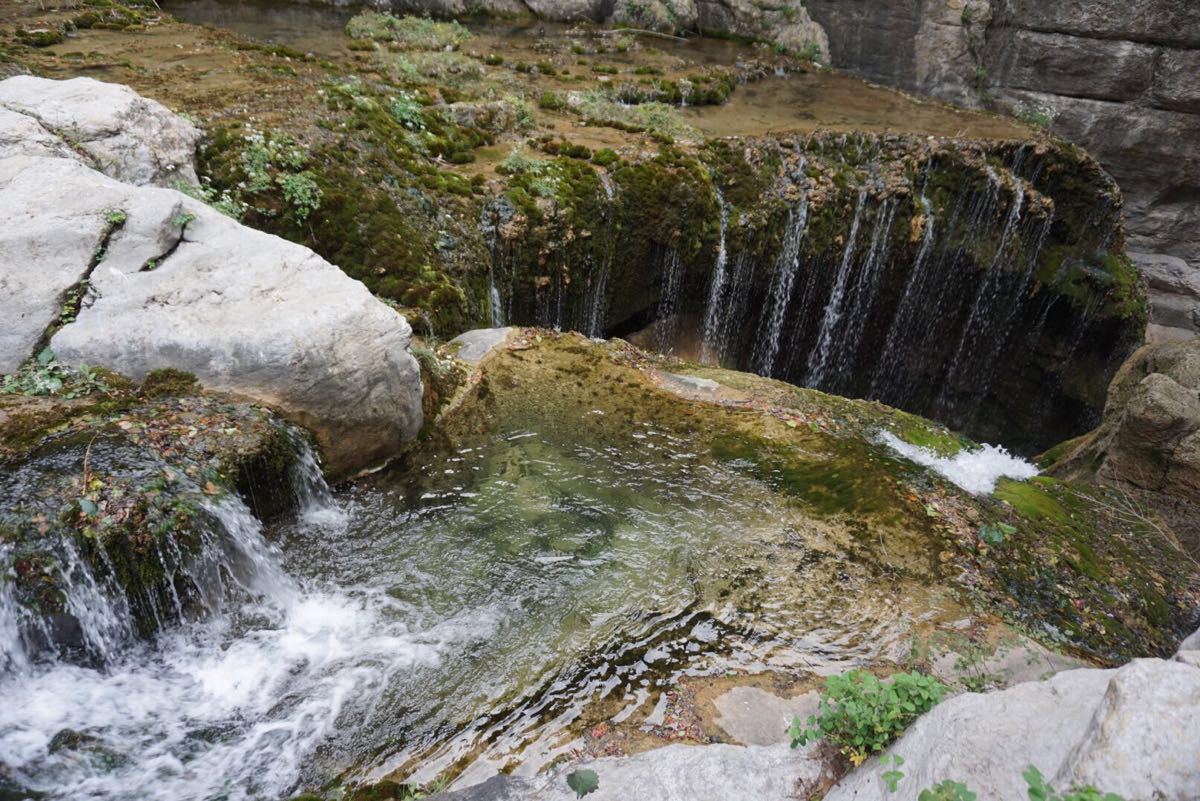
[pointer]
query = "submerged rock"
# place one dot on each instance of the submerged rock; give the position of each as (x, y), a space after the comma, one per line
(170, 282)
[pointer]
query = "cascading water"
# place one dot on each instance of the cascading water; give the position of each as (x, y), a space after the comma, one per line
(667, 321)
(908, 309)
(985, 304)
(598, 292)
(716, 290)
(819, 357)
(230, 704)
(780, 294)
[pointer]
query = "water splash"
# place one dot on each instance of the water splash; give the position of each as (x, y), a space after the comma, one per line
(232, 706)
(975, 471)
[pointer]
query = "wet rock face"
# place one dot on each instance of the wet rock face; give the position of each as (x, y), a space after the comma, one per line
(173, 283)
(983, 285)
(1121, 79)
(110, 521)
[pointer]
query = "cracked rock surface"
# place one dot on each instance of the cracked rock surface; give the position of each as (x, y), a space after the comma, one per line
(174, 283)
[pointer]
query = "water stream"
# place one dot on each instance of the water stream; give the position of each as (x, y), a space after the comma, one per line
(466, 614)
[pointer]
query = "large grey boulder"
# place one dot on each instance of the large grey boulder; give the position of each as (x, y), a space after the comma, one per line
(1148, 444)
(174, 283)
(1133, 731)
(124, 135)
(673, 773)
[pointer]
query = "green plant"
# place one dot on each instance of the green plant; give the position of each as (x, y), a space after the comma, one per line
(45, 375)
(598, 108)
(892, 776)
(222, 201)
(583, 782)
(605, 157)
(415, 32)
(407, 110)
(552, 101)
(994, 534)
(301, 192)
(859, 714)
(810, 52)
(947, 791)
(1036, 114)
(115, 217)
(1040, 791)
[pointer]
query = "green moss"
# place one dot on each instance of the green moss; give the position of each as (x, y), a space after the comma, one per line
(169, 382)
(1034, 499)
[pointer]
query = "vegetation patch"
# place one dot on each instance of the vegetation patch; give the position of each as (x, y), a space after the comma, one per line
(408, 31)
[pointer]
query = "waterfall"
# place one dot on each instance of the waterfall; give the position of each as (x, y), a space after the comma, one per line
(783, 278)
(599, 284)
(13, 654)
(865, 292)
(668, 304)
(833, 310)
(909, 307)
(985, 306)
(494, 294)
(929, 299)
(234, 704)
(712, 309)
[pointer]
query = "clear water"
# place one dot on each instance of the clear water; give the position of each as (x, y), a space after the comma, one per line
(464, 615)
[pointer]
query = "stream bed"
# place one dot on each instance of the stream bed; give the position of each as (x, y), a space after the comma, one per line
(460, 617)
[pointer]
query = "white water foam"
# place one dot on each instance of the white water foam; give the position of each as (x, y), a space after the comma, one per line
(232, 707)
(975, 471)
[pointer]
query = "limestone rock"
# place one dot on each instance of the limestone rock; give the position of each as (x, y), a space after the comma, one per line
(1174, 291)
(472, 346)
(174, 283)
(127, 136)
(673, 773)
(1145, 737)
(1148, 444)
(1133, 731)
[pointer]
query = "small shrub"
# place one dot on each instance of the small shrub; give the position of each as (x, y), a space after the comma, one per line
(222, 201)
(605, 157)
(947, 791)
(1037, 114)
(406, 110)
(1040, 791)
(493, 60)
(546, 68)
(552, 101)
(860, 715)
(169, 382)
(45, 375)
(659, 118)
(301, 192)
(414, 32)
(810, 52)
